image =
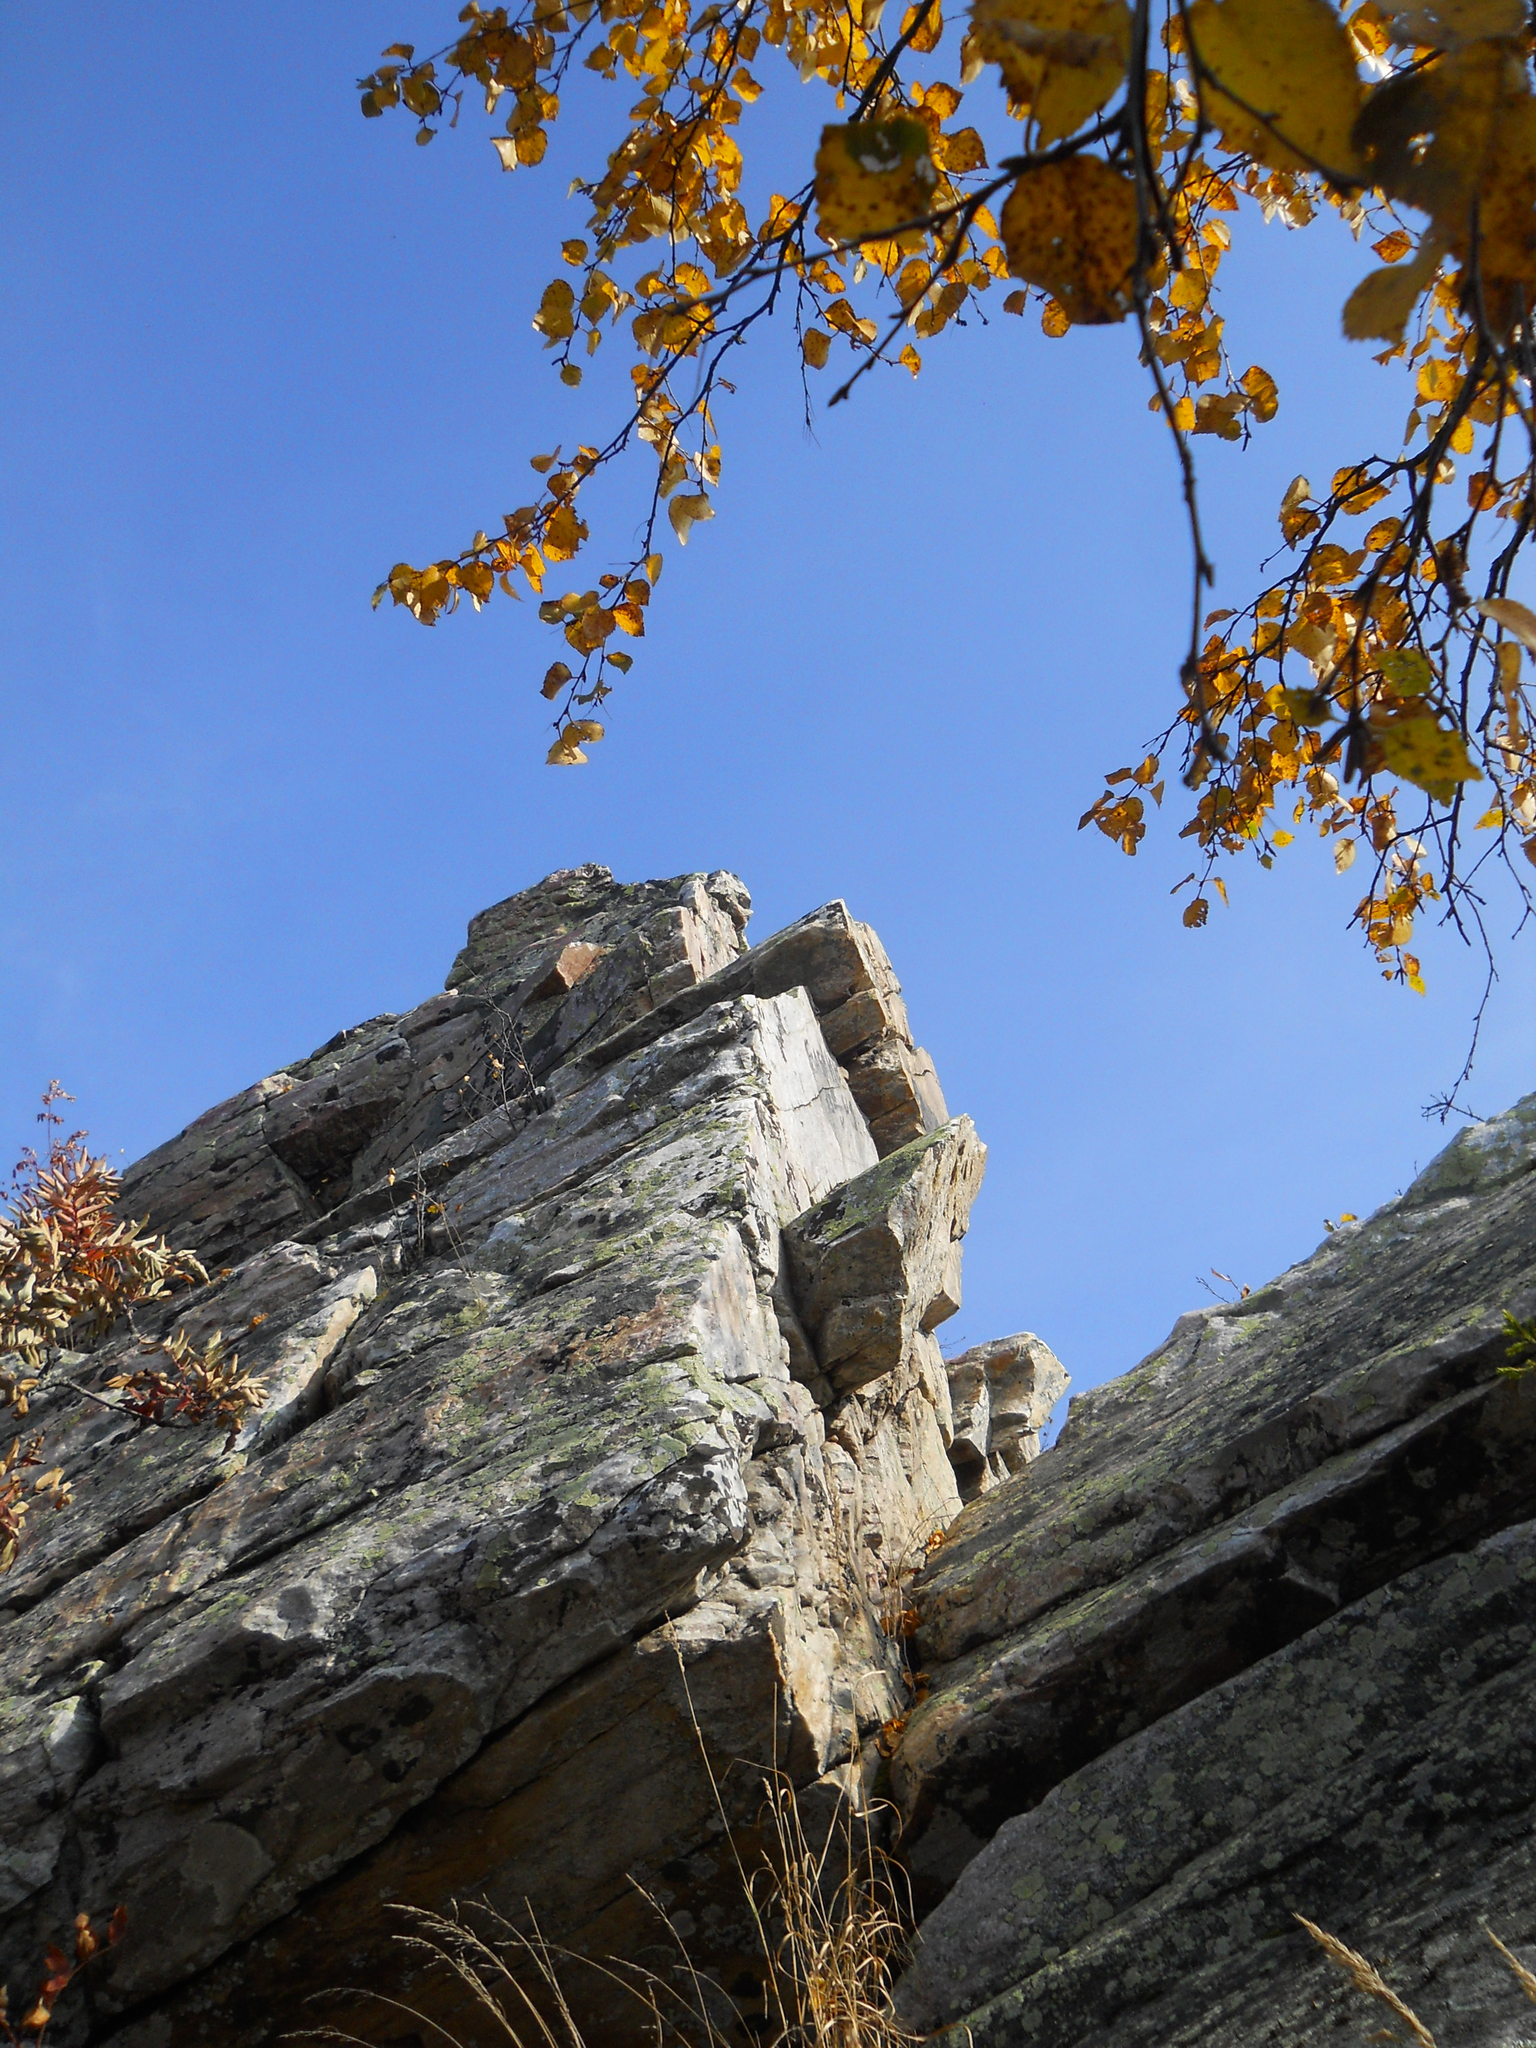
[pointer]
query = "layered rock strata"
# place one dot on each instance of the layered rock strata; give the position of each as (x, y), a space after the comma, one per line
(570, 1475)
(1254, 1638)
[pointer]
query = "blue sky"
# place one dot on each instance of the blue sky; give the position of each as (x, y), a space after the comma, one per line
(259, 349)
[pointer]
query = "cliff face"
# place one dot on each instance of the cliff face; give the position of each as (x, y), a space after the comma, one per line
(1256, 1637)
(595, 1300)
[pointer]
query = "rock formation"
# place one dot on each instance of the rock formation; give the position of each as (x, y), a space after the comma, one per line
(595, 1299)
(1256, 1637)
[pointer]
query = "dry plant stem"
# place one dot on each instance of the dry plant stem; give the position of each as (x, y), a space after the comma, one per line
(1523, 1977)
(1149, 208)
(1368, 1978)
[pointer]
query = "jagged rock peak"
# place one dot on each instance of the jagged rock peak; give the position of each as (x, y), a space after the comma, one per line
(554, 1415)
(710, 911)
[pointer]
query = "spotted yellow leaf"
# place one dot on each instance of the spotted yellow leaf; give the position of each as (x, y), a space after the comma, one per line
(1427, 754)
(872, 177)
(1070, 228)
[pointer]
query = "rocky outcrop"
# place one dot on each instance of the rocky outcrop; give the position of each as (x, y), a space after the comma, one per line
(1001, 1396)
(571, 1476)
(597, 1300)
(1254, 1638)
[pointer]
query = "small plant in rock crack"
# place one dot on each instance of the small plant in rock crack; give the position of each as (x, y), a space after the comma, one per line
(1519, 1346)
(69, 1273)
(59, 1972)
(512, 1086)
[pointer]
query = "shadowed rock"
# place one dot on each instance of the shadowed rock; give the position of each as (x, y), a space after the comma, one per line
(1253, 1638)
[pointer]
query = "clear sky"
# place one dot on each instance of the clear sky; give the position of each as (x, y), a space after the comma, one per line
(258, 350)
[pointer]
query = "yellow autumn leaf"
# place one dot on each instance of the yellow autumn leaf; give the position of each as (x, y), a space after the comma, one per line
(506, 149)
(815, 346)
(1378, 307)
(1070, 228)
(871, 177)
(566, 752)
(563, 534)
(630, 619)
(555, 680)
(1218, 413)
(1427, 754)
(1196, 912)
(1515, 618)
(1407, 669)
(1344, 851)
(1394, 247)
(590, 628)
(1292, 89)
(1015, 302)
(685, 512)
(961, 152)
(556, 317)
(1263, 393)
(924, 30)
(1295, 519)
(1062, 60)
(1307, 707)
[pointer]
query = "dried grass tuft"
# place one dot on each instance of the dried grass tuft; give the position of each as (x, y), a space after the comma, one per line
(1368, 1978)
(831, 1918)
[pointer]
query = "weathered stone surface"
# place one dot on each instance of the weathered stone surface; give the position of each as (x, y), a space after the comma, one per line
(533, 1436)
(1277, 1458)
(1376, 1775)
(1200, 1664)
(844, 969)
(878, 1261)
(1001, 1397)
(542, 973)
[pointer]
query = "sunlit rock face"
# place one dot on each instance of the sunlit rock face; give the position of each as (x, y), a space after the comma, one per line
(1257, 1637)
(571, 1478)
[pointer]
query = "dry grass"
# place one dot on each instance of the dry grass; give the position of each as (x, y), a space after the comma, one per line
(1368, 1978)
(830, 1919)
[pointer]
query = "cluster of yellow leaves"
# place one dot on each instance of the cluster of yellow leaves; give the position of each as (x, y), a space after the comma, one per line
(194, 1385)
(1369, 669)
(674, 180)
(67, 1266)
